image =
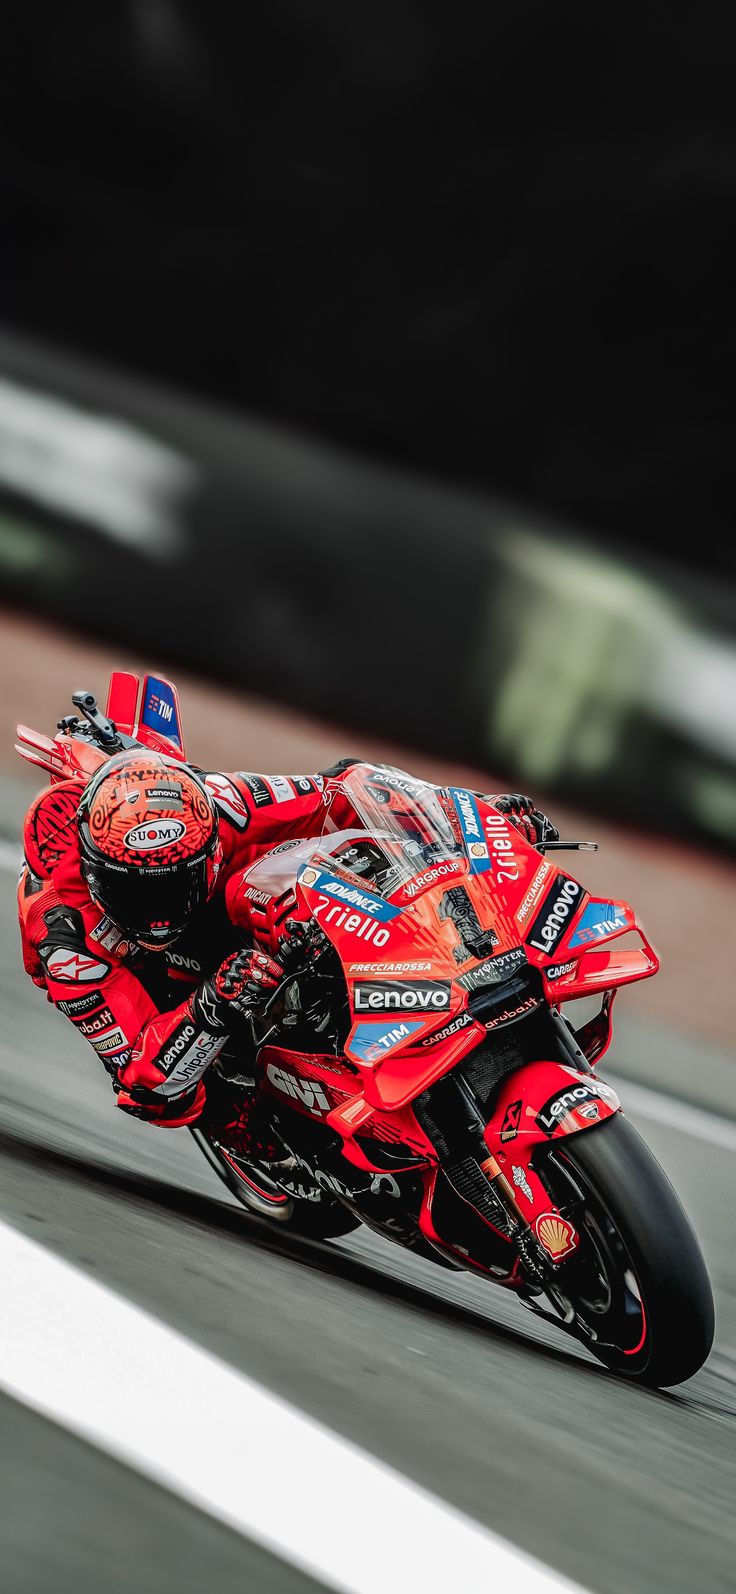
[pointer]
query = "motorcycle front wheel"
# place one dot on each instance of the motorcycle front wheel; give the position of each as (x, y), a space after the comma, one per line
(637, 1282)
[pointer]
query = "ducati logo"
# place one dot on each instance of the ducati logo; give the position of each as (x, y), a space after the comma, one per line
(556, 1235)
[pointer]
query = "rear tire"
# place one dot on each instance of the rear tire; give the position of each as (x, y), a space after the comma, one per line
(323, 1219)
(658, 1314)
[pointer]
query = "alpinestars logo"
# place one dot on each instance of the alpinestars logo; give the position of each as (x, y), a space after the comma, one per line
(209, 1006)
(554, 916)
(229, 800)
(70, 967)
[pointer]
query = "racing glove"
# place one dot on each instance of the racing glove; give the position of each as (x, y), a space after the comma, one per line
(533, 824)
(172, 1113)
(241, 985)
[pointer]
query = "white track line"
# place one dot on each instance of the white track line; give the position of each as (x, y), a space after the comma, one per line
(11, 855)
(675, 1114)
(106, 1370)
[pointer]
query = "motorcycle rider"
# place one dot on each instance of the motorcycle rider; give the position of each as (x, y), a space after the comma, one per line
(130, 920)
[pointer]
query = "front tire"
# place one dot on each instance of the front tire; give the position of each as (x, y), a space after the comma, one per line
(638, 1281)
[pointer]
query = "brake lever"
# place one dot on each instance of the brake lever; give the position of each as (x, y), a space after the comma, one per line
(260, 1040)
(293, 974)
(569, 846)
(303, 938)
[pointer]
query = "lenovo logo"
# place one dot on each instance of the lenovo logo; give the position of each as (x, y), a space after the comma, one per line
(429, 996)
(554, 916)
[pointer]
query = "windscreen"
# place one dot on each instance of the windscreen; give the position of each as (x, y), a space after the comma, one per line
(408, 822)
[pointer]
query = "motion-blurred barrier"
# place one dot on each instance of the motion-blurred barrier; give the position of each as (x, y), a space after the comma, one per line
(374, 598)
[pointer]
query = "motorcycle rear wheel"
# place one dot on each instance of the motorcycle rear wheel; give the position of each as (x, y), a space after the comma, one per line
(638, 1281)
(324, 1219)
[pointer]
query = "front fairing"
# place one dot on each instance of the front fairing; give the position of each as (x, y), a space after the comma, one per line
(420, 930)
(449, 926)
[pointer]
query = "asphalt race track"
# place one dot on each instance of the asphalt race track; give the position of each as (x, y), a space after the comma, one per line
(458, 1388)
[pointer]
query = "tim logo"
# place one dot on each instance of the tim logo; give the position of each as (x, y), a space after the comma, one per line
(156, 705)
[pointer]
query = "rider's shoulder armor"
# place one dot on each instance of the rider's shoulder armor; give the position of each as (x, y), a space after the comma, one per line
(49, 836)
(50, 830)
(341, 767)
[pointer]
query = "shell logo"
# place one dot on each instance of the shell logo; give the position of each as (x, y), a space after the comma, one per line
(556, 1235)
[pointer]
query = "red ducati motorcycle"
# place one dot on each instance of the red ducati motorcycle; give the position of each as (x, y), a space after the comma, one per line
(421, 1077)
(416, 1073)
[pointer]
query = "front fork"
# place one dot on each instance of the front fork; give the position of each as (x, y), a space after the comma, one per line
(535, 1105)
(457, 1130)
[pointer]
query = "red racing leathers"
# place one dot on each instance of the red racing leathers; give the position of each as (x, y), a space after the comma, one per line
(146, 1013)
(138, 1009)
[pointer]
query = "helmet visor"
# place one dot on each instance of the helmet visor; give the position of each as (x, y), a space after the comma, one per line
(150, 905)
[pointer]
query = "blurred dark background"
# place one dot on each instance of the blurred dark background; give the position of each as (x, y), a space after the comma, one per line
(379, 360)
(495, 242)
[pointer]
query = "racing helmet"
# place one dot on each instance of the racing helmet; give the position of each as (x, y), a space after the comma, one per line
(149, 844)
